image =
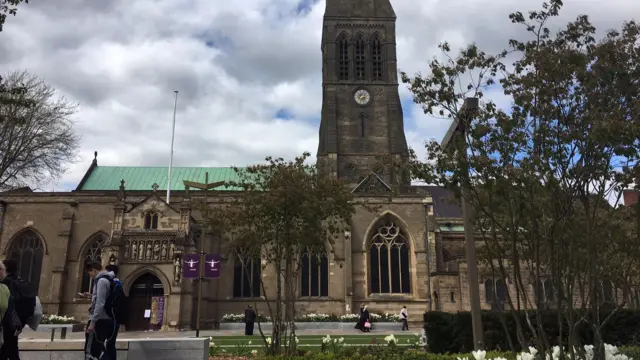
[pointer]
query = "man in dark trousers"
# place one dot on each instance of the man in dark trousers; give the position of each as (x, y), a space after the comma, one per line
(111, 344)
(24, 298)
(249, 320)
(101, 326)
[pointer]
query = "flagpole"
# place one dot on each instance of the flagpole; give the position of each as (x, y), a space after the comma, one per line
(173, 134)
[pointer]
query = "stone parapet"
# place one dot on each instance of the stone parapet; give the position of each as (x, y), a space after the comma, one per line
(146, 349)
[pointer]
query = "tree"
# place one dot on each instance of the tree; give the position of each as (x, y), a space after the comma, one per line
(284, 209)
(37, 139)
(543, 169)
(9, 7)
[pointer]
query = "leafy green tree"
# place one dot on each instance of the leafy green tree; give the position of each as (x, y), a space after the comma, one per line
(9, 7)
(284, 208)
(543, 169)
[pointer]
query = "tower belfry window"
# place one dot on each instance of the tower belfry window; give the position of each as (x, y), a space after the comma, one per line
(343, 57)
(376, 58)
(360, 58)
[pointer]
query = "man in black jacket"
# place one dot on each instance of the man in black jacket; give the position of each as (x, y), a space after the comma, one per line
(249, 320)
(24, 299)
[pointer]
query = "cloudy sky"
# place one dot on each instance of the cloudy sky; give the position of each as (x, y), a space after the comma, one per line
(248, 71)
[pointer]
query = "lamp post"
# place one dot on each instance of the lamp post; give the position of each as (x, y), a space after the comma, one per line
(457, 135)
(426, 203)
(204, 187)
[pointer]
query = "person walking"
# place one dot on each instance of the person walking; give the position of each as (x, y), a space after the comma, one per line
(366, 320)
(404, 317)
(360, 323)
(23, 300)
(249, 320)
(117, 317)
(101, 325)
(10, 321)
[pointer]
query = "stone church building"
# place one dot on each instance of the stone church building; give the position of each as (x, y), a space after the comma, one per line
(410, 248)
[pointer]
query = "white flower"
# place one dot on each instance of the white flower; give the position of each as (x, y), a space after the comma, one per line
(269, 340)
(254, 352)
(480, 354)
(341, 340)
(533, 351)
(249, 342)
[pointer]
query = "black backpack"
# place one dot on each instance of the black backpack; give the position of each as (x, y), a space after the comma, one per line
(24, 298)
(116, 300)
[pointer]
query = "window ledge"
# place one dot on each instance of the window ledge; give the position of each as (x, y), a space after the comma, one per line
(81, 301)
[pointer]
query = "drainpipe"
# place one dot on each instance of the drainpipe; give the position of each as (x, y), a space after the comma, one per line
(428, 249)
(2, 208)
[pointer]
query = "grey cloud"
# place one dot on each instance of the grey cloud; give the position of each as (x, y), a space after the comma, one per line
(121, 61)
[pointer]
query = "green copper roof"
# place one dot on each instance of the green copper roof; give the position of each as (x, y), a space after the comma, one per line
(143, 177)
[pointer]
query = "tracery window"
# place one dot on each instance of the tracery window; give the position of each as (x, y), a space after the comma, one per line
(91, 254)
(389, 261)
(360, 57)
(247, 273)
(314, 274)
(376, 58)
(27, 250)
(151, 221)
(343, 57)
(495, 291)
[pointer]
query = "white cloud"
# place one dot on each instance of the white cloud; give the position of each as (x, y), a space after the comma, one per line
(236, 64)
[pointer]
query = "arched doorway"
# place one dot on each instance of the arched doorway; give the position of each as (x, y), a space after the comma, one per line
(140, 294)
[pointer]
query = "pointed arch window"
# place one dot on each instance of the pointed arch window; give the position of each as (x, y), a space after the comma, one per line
(92, 253)
(389, 261)
(27, 250)
(495, 291)
(376, 58)
(247, 273)
(151, 221)
(360, 58)
(314, 274)
(343, 57)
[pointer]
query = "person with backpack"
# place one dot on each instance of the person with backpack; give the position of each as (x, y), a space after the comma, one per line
(118, 310)
(10, 323)
(23, 299)
(101, 326)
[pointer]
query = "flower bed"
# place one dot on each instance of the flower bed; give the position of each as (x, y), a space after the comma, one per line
(319, 318)
(391, 348)
(58, 320)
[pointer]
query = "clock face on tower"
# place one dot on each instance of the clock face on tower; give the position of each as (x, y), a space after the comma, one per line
(362, 97)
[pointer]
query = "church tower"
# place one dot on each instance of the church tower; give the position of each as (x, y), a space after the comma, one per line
(361, 121)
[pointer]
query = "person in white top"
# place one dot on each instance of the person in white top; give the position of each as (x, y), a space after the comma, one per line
(404, 317)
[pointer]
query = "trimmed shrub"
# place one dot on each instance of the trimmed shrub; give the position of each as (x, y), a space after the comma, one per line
(452, 332)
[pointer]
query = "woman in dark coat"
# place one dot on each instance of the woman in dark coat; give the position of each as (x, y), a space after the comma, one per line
(364, 317)
(360, 323)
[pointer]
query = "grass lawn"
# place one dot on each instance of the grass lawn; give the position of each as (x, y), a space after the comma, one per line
(313, 341)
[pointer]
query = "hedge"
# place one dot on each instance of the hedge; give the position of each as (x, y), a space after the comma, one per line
(452, 332)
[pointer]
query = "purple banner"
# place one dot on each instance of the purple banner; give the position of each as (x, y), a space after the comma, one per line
(212, 266)
(160, 310)
(191, 266)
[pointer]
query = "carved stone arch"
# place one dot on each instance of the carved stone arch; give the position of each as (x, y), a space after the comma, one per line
(372, 228)
(23, 232)
(90, 251)
(385, 246)
(376, 35)
(89, 241)
(341, 35)
(359, 35)
(131, 278)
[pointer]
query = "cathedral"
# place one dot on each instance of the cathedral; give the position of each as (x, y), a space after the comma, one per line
(409, 253)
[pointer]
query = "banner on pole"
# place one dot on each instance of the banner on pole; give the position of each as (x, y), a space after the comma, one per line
(191, 266)
(212, 266)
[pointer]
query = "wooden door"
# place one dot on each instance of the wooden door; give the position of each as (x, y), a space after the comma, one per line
(142, 291)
